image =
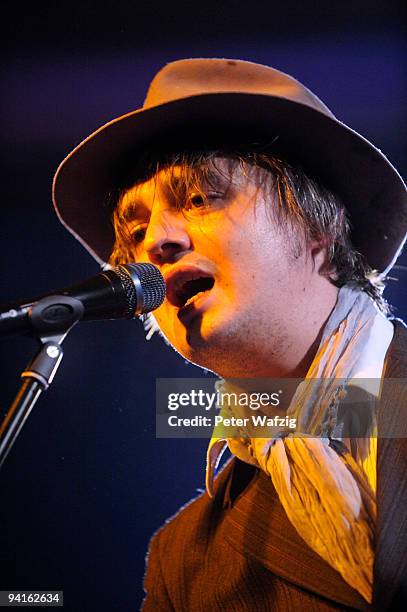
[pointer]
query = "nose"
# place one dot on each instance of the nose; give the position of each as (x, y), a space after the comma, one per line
(166, 236)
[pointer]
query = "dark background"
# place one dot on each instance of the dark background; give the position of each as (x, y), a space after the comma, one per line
(87, 483)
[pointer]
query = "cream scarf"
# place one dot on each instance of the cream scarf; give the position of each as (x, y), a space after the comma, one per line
(326, 484)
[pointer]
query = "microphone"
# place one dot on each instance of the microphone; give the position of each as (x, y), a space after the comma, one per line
(123, 293)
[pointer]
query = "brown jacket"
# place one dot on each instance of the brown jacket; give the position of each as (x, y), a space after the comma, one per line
(240, 553)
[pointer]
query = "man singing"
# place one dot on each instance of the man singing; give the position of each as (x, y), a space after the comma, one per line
(274, 225)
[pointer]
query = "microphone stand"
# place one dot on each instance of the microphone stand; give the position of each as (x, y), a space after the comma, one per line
(51, 319)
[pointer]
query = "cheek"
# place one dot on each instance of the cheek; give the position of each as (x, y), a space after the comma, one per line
(225, 242)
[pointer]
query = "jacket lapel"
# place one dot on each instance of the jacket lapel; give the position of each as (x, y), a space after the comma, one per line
(390, 570)
(257, 525)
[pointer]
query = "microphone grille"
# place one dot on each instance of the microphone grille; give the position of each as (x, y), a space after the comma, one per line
(152, 286)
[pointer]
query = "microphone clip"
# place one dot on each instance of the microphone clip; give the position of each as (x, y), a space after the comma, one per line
(55, 314)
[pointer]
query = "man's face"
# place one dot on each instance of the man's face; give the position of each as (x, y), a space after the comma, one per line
(234, 275)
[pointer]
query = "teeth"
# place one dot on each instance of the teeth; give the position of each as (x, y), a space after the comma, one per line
(192, 298)
(181, 282)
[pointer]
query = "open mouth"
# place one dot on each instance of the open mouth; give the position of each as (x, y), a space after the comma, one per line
(193, 288)
(184, 286)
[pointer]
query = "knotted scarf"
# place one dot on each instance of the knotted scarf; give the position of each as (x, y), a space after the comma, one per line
(325, 481)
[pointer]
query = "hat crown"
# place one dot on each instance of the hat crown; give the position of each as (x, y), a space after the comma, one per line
(193, 77)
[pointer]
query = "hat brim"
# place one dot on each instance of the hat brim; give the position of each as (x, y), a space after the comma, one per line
(369, 186)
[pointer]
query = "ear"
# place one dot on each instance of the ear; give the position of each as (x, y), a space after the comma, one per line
(318, 250)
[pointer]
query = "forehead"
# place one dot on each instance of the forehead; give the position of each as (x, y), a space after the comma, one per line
(163, 181)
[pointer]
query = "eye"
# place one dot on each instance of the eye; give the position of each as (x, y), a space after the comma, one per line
(138, 234)
(196, 200)
(200, 200)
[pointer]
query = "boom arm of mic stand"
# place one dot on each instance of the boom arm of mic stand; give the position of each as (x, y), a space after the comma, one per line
(37, 377)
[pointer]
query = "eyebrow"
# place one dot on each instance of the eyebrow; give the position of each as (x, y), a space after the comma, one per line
(133, 210)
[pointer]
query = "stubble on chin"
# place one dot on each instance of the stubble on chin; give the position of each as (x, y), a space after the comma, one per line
(245, 348)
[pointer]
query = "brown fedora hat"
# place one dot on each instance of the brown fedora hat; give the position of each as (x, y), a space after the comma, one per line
(210, 102)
